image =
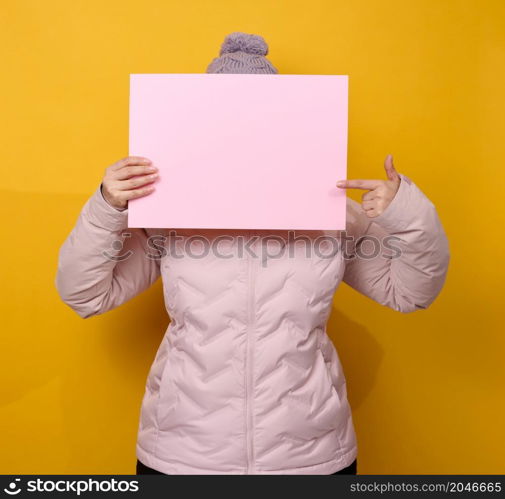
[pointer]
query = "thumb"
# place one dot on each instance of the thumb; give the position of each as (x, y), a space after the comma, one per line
(391, 172)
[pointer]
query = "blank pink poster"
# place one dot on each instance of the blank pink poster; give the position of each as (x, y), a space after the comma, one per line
(241, 151)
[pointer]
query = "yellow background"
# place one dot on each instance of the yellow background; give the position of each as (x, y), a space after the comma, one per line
(427, 81)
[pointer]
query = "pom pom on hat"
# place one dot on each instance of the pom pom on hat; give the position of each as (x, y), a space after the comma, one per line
(244, 42)
(242, 53)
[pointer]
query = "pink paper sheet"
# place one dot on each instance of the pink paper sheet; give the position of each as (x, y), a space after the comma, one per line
(241, 151)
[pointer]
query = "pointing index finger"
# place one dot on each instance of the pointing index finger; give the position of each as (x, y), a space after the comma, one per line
(358, 184)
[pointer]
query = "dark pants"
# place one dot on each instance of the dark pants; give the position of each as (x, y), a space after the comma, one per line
(142, 469)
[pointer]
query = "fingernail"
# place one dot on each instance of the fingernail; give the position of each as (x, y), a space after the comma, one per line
(340, 183)
(147, 161)
(151, 169)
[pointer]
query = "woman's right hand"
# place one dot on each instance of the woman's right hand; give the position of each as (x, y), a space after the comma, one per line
(118, 186)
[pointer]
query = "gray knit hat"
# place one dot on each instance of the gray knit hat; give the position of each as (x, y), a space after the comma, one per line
(242, 53)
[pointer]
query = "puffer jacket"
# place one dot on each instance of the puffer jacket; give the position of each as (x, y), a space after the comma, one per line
(246, 379)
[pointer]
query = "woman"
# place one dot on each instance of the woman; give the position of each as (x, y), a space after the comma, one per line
(246, 379)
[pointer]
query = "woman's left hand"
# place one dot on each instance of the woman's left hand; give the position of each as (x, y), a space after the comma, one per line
(380, 192)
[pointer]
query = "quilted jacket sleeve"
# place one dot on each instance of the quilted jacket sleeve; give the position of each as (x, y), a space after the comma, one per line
(102, 263)
(411, 274)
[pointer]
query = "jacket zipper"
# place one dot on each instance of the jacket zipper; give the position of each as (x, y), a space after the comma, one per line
(249, 370)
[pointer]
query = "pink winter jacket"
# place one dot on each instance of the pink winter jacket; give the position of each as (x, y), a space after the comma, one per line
(246, 379)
